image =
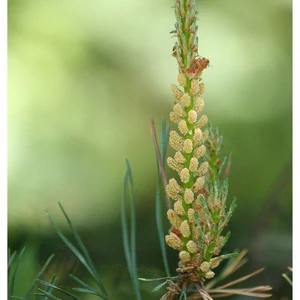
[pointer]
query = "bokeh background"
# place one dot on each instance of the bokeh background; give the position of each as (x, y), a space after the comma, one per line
(84, 79)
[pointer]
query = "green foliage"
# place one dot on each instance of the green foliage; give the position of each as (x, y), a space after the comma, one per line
(48, 293)
(160, 229)
(129, 237)
(84, 257)
(30, 292)
(51, 287)
(287, 278)
(12, 277)
(160, 195)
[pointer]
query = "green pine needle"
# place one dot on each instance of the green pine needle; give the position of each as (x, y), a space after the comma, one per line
(164, 139)
(11, 281)
(160, 229)
(29, 293)
(83, 258)
(11, 259)
(85, 291)
(48, 284)
(129, 239)
(158, 278)
(87, 288)
(157, 288)
(84, 251)
(50, 289)
(48, 295)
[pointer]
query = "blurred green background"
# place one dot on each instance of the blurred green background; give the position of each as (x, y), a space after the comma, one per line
(84, 79)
